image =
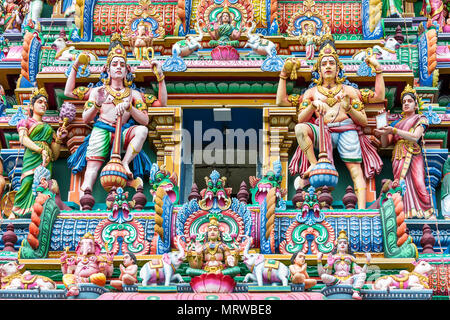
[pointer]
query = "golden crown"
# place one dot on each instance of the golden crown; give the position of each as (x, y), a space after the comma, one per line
(225, 9)
(328, 51)
(213, 221)
(88, 235)
(40, 91)
(411, 90)
(342, 235)
(116, 51)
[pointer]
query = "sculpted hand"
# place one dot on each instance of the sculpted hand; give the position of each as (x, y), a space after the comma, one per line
(230, 261)
(320, 106)
(122, 107)
(156, 65)
(372, 61)
(319, 256)
(61, 133)
(368, 257)
(101, 96)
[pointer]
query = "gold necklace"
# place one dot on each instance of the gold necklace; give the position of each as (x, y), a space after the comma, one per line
(330, 94)
(118, 95)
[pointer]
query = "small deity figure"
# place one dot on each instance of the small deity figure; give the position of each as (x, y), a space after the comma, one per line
(341, 267)
(214, 256)
(223, 33)
(435, 10)
(106, 103)
(309, 39)
(88, 266)
(42, 147)
(128, 272)
(141, 40)
(11, 17)
(407, 160)
(298, 271)
(342, 109)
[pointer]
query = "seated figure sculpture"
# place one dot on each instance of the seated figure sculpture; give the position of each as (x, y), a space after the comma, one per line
(214, 256)
(341, 267)
(223, 33)
(104, 104)
(342, 109)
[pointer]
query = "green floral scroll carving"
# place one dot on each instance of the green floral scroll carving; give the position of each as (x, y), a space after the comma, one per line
(322, 240)
(48, 217)
(389, 226)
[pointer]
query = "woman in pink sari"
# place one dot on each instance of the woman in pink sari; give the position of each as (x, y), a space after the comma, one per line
(407, 160)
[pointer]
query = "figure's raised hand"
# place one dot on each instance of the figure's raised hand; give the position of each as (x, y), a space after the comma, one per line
(372, 60)
(368, 257)
(319, 256)
(101, 96)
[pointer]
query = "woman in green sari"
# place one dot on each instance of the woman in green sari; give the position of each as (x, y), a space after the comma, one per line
(223, 32)
(42, 146)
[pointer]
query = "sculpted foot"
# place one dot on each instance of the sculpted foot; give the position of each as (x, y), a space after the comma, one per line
(127, 170)
(306, 174)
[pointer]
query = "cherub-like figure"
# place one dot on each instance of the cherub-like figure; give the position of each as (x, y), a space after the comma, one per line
(128, 272)
(298, 271)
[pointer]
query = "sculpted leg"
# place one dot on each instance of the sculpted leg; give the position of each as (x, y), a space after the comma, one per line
(92, 169)
(305, 138)
(134, 147)
(359, 182)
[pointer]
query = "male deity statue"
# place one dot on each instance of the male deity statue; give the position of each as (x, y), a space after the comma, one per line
(342, 109)
(104, 104)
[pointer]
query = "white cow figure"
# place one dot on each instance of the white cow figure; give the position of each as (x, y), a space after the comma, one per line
(387, 52)
(11, 278)
(65, 53)
(416, 280)
(259, 46)
(189, 46)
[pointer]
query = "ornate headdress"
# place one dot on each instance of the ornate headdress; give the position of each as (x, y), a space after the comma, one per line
(40, 91)
(116, 49)
(328, 51)
(410, 90)
(88, 235)
(225, 9)
(342, 236)
(213, 221)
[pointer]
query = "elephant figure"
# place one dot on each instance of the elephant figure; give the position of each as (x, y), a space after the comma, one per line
(160, 271)
(88, 266)
(264, 271)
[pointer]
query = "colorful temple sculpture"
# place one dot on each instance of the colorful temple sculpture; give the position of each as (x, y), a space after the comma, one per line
(227, 149)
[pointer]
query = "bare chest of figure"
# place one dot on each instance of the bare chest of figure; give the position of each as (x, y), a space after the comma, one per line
(333, 113)
(108, 112)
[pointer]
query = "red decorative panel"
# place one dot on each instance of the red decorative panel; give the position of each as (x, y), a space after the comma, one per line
(112, 18)
(340, 17)
(439, 280)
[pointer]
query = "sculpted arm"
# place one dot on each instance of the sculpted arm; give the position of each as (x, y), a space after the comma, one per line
(92, 107)
(358, 114)
(69, 89)
(139, 114)
(307, 107)
(27, 142)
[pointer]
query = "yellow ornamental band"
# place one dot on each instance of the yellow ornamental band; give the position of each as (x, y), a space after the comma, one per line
(149, 99)
(294, 99)
(140, 105)
(357, 105)
(366, 94)
(89, 104)
(80, 92)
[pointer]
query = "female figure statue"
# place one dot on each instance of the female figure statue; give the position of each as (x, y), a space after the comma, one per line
(42, 147)
(13, 17)
(407, 160)
(341, 267)
(223, 33)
